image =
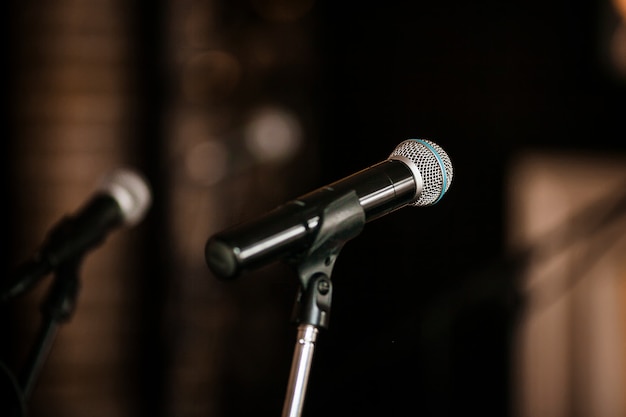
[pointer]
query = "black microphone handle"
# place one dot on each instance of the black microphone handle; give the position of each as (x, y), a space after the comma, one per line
(74, 235)
(290, 228)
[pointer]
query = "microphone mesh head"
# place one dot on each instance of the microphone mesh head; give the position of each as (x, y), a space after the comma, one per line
(130, 191)
(432, 163)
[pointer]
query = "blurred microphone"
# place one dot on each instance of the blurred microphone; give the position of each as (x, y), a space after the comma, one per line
(418, 173)
(121, 200)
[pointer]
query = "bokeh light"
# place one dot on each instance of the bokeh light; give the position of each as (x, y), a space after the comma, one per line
(273, 135)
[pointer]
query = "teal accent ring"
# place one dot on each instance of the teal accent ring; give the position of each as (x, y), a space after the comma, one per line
(441, 165)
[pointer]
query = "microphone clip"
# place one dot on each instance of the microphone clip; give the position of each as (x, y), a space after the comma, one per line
(341, 220)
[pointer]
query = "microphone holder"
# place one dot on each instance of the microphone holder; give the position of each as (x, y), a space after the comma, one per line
(341, 220)
(56, 309)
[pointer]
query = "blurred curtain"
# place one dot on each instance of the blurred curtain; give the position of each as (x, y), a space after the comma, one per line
(567, 212)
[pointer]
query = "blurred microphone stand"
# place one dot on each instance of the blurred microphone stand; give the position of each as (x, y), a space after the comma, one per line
(56, 309)
(341, 220)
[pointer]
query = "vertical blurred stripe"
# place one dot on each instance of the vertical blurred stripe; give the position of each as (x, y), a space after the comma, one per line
(73, 107)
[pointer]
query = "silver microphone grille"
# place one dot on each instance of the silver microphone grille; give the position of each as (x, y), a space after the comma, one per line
(431, 166)
(131, 192)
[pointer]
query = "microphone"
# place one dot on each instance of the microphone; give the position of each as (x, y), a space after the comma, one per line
(417, 173)
(122, 199)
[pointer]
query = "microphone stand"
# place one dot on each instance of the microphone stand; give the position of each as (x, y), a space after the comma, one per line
(341, 220)
(56, 309)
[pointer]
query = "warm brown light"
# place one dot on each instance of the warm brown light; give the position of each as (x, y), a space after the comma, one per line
(620, 5)
(618, 49)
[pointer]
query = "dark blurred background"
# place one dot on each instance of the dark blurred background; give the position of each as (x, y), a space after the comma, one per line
(230, 108)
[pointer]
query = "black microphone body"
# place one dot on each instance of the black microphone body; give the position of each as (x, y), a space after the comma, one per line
(290, 229)
(77, 234)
